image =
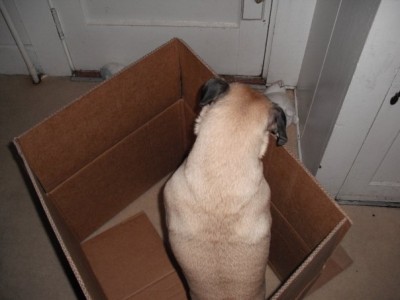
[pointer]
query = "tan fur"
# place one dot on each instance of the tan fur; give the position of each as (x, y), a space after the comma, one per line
(217, 202)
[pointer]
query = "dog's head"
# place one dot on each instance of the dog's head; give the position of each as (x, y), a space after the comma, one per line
(243, 97)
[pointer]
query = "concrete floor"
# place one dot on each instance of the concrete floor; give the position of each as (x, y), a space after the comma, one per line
(32, 266)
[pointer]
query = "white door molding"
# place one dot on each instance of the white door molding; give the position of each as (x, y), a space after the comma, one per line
(373, 77)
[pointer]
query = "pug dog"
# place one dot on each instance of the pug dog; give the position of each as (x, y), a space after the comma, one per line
(217, 202)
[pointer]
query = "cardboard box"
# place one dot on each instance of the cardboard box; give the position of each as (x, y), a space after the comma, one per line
(91, 160)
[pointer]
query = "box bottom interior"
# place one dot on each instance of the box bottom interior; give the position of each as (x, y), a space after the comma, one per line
(151, 203)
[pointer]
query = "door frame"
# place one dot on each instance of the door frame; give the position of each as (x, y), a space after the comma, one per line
(371, 81)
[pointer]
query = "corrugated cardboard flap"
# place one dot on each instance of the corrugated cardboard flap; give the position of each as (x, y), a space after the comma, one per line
(129, 259)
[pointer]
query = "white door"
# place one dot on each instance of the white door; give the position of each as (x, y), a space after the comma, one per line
(375, 174)
(230, 35)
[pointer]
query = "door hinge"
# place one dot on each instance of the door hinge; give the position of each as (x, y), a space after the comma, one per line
(57, 22)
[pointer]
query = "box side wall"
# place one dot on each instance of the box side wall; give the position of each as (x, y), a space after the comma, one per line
(337, 263)
(76, 135)
(299, 198)
(68, 243)
(287, 243)
(299, 282)
(113, 180)
(303, 214)
(194, 74)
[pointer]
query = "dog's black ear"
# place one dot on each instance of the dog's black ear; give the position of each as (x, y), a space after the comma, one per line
(277, 124)
(212, 90)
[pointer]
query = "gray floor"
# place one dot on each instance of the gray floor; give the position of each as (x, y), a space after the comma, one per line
(31, 266)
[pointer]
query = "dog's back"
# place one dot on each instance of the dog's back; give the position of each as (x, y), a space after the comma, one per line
(217, 202)
(223, 255)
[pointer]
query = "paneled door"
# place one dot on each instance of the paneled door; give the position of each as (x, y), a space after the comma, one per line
(230, 35)
(375, 174)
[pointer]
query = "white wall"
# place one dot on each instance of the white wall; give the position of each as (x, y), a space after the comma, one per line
(288, 40)
(323, 83)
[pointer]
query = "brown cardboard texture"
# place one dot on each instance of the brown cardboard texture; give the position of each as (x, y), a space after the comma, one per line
(92, 161)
